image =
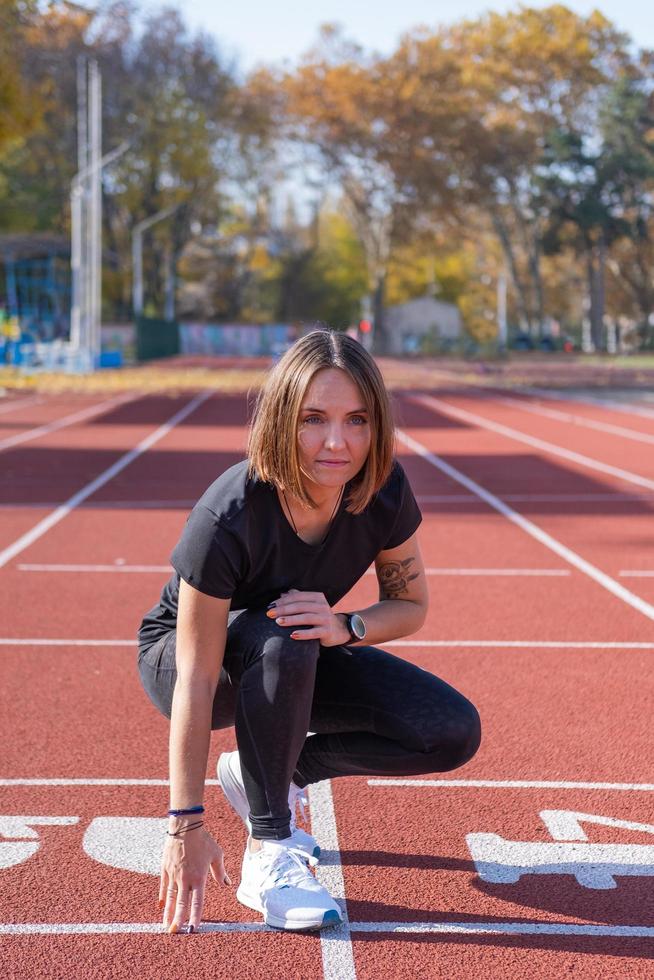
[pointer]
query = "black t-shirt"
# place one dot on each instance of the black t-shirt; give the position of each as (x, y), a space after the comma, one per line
(238, 544)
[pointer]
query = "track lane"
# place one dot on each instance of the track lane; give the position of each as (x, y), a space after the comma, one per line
(418, 947)
(600, 447)
(619, 532)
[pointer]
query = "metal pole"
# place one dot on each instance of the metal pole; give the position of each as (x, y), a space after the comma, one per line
(95, 212)
(137, 255)
(77, 202)
(137, 272)
(78, 237)
(501, 311)
(76, 266)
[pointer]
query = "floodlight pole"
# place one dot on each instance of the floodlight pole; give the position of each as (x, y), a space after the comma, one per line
(137, 255)
(78, 267)
(501, 311)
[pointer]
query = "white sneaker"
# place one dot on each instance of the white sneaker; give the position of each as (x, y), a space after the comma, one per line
(277, 882)
(231, 781)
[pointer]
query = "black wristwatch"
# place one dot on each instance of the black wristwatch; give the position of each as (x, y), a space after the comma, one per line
(355, 625)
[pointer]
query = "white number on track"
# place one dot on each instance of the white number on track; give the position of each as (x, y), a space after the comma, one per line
(23, 841)
(596, 866)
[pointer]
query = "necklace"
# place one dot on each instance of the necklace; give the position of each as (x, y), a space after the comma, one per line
(338, 500)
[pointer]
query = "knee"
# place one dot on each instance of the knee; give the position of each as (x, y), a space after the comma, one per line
(289, 655)
(465, 736)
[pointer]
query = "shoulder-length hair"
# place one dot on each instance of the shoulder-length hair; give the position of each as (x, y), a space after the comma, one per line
(273, 437)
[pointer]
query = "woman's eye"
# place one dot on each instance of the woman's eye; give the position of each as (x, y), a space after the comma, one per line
(357, 419)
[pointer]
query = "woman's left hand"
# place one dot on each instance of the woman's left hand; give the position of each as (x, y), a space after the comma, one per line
(295, 608)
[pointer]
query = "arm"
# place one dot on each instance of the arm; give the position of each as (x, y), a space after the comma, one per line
(403, 596)
(201, 637)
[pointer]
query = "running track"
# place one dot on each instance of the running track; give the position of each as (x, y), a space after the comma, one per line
(535, 860)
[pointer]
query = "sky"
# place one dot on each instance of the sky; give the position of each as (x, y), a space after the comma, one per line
(265, 31)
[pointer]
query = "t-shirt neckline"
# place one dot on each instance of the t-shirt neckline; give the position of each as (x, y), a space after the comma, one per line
(296, 537)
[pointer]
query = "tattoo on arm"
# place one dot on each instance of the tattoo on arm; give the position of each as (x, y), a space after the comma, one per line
(394, 578)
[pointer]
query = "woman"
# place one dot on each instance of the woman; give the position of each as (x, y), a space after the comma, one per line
(244, 635)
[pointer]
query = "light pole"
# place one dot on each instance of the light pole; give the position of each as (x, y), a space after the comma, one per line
(82, 330)
(501, 311)
(137, 256)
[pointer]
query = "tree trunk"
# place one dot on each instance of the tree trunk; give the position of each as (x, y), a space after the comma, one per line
(381, 339)
(594, 265)
(521, 299)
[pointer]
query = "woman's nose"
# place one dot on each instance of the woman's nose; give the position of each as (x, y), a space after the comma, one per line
(334, 436)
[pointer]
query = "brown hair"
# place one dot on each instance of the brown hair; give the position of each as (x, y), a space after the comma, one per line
(273, 438)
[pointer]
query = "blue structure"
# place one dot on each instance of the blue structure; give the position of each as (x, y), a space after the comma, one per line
(35, 285)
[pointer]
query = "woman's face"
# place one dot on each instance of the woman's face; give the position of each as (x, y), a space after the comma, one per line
(334, 430)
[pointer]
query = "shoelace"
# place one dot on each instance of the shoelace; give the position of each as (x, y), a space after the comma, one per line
(298, 796)
(285, 865)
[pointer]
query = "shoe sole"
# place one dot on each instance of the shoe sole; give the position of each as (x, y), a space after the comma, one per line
(329, 918)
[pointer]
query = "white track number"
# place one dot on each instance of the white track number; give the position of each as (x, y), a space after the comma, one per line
(18, 839)
(501, 861)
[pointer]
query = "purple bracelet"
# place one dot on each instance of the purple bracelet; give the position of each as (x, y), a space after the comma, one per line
(188, 812)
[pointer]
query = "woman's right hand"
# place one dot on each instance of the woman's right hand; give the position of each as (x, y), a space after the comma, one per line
(184, 866)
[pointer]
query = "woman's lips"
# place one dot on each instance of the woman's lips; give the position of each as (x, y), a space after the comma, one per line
(330, 462)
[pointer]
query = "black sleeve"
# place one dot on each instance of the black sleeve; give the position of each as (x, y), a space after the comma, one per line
(208, 556)
(408, 513)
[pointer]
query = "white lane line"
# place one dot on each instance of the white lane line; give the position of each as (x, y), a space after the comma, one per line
(642, 573)
(532, 529)
(109, 781)
(95, 568)
(514, 784)
(146, 569)
(81, 416)
(107, 504)
(570, 419)
(8, 641)
(427, 401)
(508, 929)
(19, 403)
(499, 571)
(464, 928)
(21, 641)
(335, 943)
(441, 498)
(322, 814)
(522, 644)
(537, 498)
(610, 406)
(65, 509)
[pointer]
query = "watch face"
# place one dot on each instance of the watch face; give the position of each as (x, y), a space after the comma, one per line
(357, 626)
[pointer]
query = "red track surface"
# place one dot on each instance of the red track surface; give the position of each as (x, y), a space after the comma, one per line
(574, 711)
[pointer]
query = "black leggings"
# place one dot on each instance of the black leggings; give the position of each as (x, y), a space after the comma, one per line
(370, 713)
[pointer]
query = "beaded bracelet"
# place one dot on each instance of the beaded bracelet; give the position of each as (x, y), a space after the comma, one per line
(187, 812)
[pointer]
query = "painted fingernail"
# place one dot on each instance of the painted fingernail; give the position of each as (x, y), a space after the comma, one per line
(174, 929)
(191, 930)
(161, 903)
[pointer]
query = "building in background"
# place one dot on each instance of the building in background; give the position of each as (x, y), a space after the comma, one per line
(424, 325)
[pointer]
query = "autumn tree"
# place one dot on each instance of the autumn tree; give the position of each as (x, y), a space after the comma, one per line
(19, 98)
(336, 105)
(513, 78)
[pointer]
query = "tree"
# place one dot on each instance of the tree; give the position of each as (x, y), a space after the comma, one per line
(336, 105)
(514, 78)
(19, 98)
(596, 195)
